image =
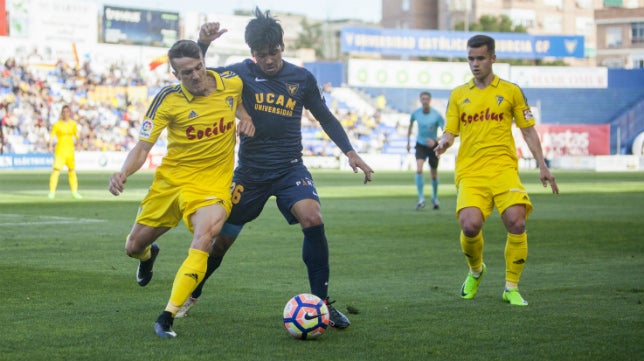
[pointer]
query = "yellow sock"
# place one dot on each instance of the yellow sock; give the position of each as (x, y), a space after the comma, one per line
(73, 181)
(188, 277)
(53, 180)
(516, 254)
(473, 250)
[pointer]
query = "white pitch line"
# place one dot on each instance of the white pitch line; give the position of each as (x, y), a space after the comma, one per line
(6, 220)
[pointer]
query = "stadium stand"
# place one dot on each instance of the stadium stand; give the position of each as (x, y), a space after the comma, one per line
(110, 103)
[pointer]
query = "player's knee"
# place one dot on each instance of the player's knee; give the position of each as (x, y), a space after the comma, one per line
(514, 219)
(471, 228)
(471, 232)
(515, 226)
(310, 220)
(134, 248)
(134, 252)
(471, 220)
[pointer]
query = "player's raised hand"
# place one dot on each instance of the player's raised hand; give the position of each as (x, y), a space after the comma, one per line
(209, 32)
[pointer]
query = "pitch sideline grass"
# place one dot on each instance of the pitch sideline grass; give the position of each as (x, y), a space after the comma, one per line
(68, 290)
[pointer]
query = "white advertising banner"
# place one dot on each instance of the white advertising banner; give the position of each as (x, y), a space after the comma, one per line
(112, 161)
(618, 163)
(72, 21)
(446, 75)
(559, 77)
(412, 74)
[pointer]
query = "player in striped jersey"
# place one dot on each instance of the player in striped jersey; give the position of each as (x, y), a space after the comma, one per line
(482, 112)
(193, 181)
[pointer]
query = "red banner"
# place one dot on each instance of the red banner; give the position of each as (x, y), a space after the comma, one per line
(568, 140)
(4, 23)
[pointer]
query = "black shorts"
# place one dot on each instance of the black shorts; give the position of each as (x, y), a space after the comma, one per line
(426, 153)
(288, 186)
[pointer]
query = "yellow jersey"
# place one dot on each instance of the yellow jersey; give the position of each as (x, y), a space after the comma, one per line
(65, 131)
(483, 120)
(200, 130)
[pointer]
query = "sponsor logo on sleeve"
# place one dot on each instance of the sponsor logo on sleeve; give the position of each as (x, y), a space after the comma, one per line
(146, 128)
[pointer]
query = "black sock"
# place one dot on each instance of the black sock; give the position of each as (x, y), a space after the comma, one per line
(315, 253)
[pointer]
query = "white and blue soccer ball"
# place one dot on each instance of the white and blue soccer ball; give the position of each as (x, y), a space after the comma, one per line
(306, 316)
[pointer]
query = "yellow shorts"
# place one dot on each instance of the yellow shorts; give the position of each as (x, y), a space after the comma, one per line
(64, 158)
(167, 203)
(502, 190)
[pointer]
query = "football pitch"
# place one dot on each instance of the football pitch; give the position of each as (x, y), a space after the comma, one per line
(68, 291)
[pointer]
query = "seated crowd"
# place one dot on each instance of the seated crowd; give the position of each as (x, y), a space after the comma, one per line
(109, 107)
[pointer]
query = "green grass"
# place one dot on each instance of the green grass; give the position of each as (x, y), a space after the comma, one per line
(67, 289)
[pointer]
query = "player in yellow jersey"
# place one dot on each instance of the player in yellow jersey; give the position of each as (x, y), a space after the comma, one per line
(194, 179)
(481, 112)
(65, 131)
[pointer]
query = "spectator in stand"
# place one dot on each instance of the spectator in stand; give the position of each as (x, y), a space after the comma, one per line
(109, 122)
(1, 138)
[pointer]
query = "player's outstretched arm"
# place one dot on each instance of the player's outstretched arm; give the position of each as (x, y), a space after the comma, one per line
(134, 161)
(532, 139)
(356, 162)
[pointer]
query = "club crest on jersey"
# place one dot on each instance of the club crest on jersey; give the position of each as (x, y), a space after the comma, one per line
(230, 101)
(146, 128)
(499, 99)
(292, 88)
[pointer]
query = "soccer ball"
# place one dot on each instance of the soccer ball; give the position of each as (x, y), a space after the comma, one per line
(306, 316)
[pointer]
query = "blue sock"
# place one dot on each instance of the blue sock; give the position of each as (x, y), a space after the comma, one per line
(420, 184)
(435, 189)
(315, 253)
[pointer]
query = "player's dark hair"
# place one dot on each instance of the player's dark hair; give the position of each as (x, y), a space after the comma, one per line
(426, 93)
(184, 49)
(62, 109)
(478, 41)
(263, 31)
